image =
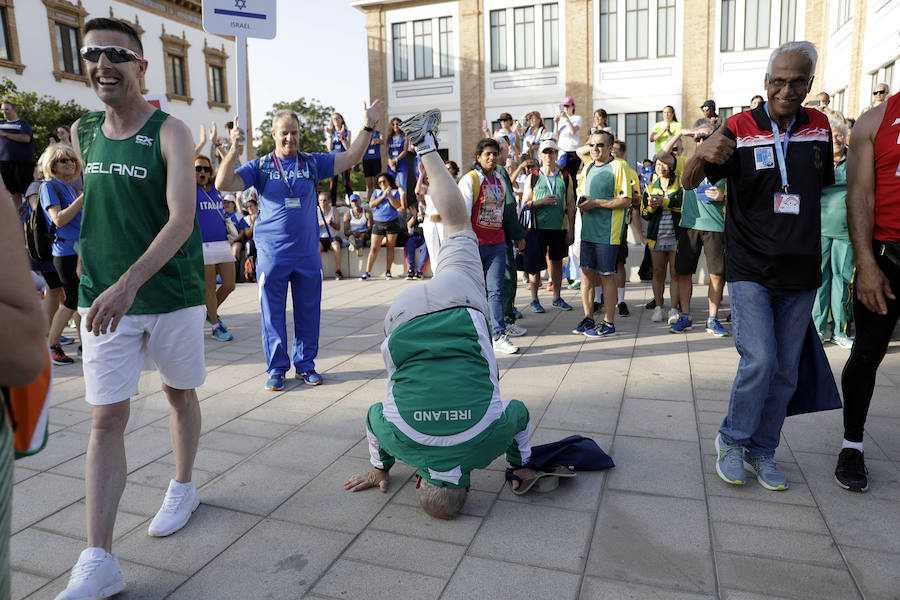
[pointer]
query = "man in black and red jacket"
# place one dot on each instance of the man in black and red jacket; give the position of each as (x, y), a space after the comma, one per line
(777, 158)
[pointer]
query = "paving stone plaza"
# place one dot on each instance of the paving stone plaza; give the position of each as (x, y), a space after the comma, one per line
(274, 521)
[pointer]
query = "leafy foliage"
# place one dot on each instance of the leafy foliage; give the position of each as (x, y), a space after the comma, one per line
(44, 113)
(313, 119)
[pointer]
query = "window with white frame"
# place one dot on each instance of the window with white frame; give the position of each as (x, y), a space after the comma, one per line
(401, 59)
(523, 37)
(844, 12)
(636, 137)
(756, 23)
(423, 60)
(788, 21)
(665, 27)
(416, 40)
(551, 34)
(838, 99)
(608, 28)
(637, 28)
(726, 37)
(498, 40)
(445, 45)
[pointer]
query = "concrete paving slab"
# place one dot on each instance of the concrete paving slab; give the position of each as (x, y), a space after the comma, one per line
(638, 538)
(41, 496)
(781, 577)
(71, 522)
(208, 533)
(141, 583)
(485, 578)
(552, 538)
(877, 573)
(665, 419)
(770, 542)
(656, 466)
(351, 579)
(43, 553)
(778, 515)
(428, 557)
(308, 451)
(254, 488)
(274, 559)
(23, 584)
(595, 588)
(412, 520)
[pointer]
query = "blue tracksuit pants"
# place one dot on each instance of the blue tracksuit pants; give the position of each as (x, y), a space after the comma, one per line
(305, 279)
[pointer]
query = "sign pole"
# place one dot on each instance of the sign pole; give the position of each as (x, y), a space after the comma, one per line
(241, 78)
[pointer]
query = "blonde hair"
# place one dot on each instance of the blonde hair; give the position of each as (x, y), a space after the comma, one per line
(52, 154)
(212, 167)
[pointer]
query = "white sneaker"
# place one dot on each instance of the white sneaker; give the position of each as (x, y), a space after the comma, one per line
(502, 344)
(513, 330)
(96, 575)
(674, 315)
(840, 340)
(657, 316)
(181, 500)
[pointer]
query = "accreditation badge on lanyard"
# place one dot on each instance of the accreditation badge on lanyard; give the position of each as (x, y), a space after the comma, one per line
(551, 186)
(784, 202)
(291, 200)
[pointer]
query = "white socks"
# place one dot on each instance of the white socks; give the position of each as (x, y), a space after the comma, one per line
(855, 445)
(621, 291)
(428, 145)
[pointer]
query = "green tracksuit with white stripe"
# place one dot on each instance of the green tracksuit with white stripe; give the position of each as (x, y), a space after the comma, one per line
(443, 413)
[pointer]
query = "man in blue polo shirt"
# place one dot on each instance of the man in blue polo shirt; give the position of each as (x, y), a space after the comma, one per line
(287, 236)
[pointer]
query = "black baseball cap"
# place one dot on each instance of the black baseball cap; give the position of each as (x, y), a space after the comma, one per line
(710, 105)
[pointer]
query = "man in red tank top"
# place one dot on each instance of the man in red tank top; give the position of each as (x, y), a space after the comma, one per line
(873, 216)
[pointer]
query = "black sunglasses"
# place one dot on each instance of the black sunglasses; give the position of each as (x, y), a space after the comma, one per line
(67, 159)
(879, 92)
(202, 169)
(598, 145)
(115, 54)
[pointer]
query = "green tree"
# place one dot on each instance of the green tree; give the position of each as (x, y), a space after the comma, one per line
(44, 113)
(313, 119)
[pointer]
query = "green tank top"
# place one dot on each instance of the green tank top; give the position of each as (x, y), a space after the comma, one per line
(551, 217)
(124, 210)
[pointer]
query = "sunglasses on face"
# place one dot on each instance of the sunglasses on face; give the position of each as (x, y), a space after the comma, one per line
(202, 169)
(62, 161)
(879, 92)
(597, 145)
(115, 54)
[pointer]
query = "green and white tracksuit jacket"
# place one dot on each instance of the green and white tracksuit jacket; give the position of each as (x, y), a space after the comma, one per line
(443, 414)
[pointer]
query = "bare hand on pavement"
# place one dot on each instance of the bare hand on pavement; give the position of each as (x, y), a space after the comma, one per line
(364, 481)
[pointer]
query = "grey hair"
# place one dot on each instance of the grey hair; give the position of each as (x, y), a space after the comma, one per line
(807, 49)
(285, 114)
(838, 125)
(887, 89)
(439, 501)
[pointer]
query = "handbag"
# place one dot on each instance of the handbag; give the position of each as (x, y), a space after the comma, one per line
(231, 231)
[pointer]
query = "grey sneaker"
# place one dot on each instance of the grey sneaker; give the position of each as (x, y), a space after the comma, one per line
(418, 125)
(729, 462)
(767, 472)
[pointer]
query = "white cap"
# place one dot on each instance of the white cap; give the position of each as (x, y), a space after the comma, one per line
(548, 143)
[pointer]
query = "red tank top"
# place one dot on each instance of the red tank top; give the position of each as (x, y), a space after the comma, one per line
(887, 174)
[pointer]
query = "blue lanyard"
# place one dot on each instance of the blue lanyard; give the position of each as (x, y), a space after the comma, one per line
(552, 186)
(781, 146)
(495, 186)
(289, 186)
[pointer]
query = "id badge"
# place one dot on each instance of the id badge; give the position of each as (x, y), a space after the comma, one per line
(292, 202)
(787, 204)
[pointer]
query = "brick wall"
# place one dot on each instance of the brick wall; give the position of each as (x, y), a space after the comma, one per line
(578, 52)
(471, 64)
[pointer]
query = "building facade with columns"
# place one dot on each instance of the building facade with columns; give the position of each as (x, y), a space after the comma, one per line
(191, 73)
(475, 59)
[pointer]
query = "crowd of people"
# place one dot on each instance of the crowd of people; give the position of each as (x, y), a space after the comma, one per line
(775, 218)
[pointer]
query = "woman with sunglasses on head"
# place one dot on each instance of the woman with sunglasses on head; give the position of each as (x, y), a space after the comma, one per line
(217, 254)
(338, 140)
(397, 147)
(62, 206)
(385, 204)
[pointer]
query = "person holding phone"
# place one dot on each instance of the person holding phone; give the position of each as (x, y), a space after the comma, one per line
(567, 129)
(661, 208)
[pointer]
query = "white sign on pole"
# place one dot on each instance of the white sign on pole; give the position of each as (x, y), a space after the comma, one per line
(242, 19)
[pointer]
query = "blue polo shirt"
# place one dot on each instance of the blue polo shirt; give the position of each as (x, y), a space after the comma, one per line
(374, 149)
(284, 230)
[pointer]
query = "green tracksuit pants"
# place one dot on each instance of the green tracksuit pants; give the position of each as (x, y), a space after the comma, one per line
(835, 296)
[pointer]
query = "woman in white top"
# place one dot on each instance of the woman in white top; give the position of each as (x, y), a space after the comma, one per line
(567, 129)
(533, 135)
(357, 225)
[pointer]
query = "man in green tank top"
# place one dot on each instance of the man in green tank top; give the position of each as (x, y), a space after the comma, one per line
(443, 413)
(141, 293)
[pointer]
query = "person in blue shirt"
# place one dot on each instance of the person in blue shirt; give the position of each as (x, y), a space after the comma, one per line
(398, 147)
(338, 140)
(387, 222)
(62, 207)
(217, 256)
(286, 236)
(229, 202)
(372, 162)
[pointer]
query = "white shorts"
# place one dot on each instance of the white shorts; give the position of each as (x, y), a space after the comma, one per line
(113, 361)
(216, 253)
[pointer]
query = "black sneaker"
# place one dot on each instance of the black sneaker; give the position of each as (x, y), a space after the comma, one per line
(851, 473)
(623, 310)
(650, 305)
(59, 357)
(410, 275)
(419, 275)
(598, 306)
